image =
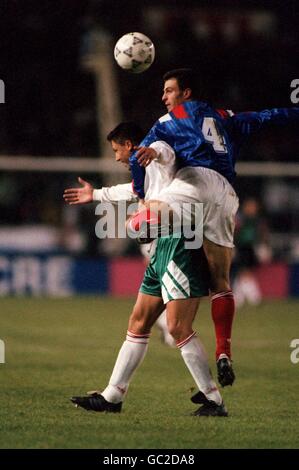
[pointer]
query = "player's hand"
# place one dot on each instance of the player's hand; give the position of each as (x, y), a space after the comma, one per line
(145, 155)
(79, 195)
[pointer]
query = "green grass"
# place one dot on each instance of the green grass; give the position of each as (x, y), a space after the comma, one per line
(60, 347)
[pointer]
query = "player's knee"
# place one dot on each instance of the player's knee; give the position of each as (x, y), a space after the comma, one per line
(178, 330)
(220, 283)
(219, 277)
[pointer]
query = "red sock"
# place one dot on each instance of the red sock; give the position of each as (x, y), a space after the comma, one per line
(223, 310)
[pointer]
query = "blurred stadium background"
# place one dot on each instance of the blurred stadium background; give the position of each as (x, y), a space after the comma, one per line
(64, 92)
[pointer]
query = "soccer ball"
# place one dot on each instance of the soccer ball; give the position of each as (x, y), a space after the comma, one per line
(134, 52)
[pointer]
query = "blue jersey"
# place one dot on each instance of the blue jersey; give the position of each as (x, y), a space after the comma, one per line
(203, 136)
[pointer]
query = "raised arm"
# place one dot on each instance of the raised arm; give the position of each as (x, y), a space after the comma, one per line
(250, 122)
(87, 193)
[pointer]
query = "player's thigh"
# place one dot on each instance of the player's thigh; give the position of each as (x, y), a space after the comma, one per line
(145, 312)
(219, 219)
(180, 316)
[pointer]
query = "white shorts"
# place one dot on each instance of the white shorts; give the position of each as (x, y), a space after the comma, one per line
(220, 202)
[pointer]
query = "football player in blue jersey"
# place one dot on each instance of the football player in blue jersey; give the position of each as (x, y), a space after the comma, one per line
(206, 142)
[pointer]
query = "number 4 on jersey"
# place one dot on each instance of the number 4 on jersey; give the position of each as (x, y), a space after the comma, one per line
(212, 135)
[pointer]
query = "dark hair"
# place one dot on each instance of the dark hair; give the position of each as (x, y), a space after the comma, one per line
(126, 131)
(186, 78)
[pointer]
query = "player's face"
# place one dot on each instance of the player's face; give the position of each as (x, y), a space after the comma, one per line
(173, 95)
(122, 152)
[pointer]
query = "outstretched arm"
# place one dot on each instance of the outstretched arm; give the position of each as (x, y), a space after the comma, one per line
(113, 194)
(248, 123)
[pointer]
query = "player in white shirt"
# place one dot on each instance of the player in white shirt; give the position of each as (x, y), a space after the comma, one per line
(158, 175)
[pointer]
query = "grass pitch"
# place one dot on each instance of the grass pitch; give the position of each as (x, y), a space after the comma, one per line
(59, 347)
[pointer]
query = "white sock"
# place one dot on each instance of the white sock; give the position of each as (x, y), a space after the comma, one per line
(129, 357)
(196, 360)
